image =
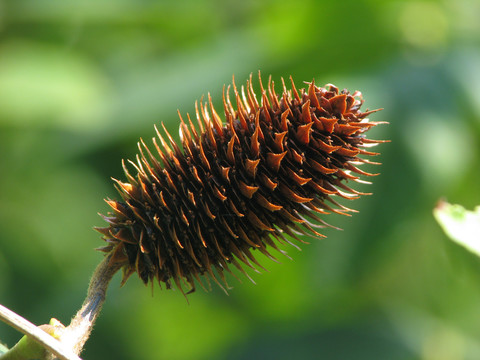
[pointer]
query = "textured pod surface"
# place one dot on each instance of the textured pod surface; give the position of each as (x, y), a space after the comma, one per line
(268, 173)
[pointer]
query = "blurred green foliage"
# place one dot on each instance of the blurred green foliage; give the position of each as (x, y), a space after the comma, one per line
(81, 81)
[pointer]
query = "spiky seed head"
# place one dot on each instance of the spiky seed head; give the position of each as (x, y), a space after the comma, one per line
(267, 174)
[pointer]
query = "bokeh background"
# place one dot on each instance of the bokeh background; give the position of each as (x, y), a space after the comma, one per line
(81, 81)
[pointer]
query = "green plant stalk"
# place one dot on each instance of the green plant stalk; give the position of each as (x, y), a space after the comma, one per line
(77, 333)
(26, 347)
(60, 342)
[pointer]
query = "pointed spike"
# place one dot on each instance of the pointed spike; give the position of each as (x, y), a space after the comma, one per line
(200, 281)
(266, 108)
(267, 182)
(244, 236)
(152, 158)
(231, 110)
(217, 246)
(348, 152)
(255, 221)
(196, 176)
(298, 158)
(251, 94)
(130, 178)
(271, 94)
(225, 173)
(312, 95)
(358, 171)
(274, 160)
(328, 124)
(208, 211)
(228, 114)
(364, 152)
(105, 231)
(217, 122)
(203, 157)
(126, 273)
(339, 104)
(192, 128)
(245, 101)
(294, 90)
(262, 201)
(254, 143)
(184, 132)
(285, 91)
(251, 167)
(293, 196)
(199, 118)
(284, 120)
(300, 180)
(127, 188)
(262, 90)
(366, 113)
(288, 215)
(165, 146)
(267, 254)
(322, 146)
(347, 129)
(229, 229)
(172, 141)
(252, 259)
(163, 157)
(234, 208)
(247, 190)
(191, 197)
(242, 270)
(283, 240)
(230, 152)
(320, 189)
(173, 234)
(279, 140)
(239, 254)
(346, 174)
(218, 194)
(202, 239)
(258, 127)
(240, 107)
(208, 126)
(306, 112)
(303, 133)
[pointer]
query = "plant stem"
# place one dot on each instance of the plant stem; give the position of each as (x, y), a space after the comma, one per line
(73, 337)
(77, 333)
(37, 334)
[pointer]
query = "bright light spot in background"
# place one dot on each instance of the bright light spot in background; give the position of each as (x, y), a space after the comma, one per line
(443, 343)
(464, 17)
(442, 147)
(423, 25)
(429, 336)
(44, 85)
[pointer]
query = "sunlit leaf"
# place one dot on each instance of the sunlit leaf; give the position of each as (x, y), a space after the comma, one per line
(460, 225)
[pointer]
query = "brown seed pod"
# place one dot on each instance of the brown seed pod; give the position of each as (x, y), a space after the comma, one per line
(266, 175)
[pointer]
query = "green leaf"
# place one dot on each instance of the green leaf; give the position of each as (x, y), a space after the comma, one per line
(460, 225)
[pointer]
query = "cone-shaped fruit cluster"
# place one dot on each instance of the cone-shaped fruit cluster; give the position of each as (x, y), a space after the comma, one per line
(266, 175)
